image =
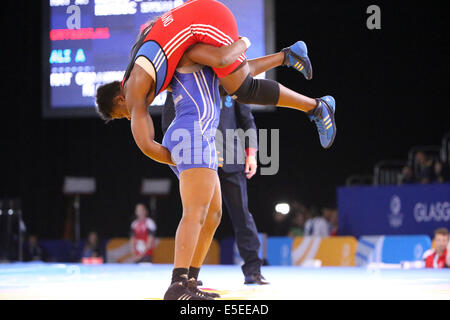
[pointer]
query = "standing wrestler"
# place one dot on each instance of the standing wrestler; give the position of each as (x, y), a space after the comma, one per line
(232, 176)
(190, 140)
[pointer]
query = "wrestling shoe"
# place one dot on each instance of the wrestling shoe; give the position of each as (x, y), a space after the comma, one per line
(296, 56)
(256, 278)
(323, 116)
(180, 291)
(192, 286)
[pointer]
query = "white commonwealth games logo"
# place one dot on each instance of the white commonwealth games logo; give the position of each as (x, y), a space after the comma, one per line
(396, 217)
(418, 251)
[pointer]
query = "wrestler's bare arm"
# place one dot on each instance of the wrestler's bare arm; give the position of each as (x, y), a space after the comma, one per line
(221, 57)
(216, 57)
(138, 86)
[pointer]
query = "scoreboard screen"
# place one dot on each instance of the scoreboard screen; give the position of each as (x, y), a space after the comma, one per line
(87, 43)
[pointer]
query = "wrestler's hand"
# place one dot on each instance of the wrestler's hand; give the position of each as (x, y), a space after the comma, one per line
(251, 166)
(247, 41)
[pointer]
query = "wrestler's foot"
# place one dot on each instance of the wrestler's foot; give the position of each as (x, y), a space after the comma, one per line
(192, 285)
(296, 56)
(323, 116)
(180, 291)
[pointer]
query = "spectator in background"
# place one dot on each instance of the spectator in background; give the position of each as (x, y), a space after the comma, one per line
(316, 225)
(407, 176)
(32, 251)
(424, 168)
(92, 247)
(442, 172)
(438, 172)
(331, 215)
(445, 172)
(142, 237)
(281, 224)
(298, 207)
(439, 257)
(297, 225)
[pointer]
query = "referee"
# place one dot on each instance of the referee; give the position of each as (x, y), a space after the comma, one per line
(233, 175)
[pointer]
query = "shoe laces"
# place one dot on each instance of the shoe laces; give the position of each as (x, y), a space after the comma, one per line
(320, 125)
(192, 285)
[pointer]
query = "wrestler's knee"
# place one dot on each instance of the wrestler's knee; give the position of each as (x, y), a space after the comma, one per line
(258, 91)
(195, 214)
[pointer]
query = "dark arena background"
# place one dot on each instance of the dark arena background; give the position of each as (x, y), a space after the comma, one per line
(391, 86)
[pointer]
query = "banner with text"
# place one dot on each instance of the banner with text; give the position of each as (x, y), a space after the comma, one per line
(387, 210)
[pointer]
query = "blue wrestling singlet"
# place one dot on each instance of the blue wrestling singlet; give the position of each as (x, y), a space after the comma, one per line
(191, 136)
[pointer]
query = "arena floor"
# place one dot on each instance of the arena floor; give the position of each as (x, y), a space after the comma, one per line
(149, 282)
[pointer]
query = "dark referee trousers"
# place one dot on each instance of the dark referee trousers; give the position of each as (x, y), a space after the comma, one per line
(232, 176)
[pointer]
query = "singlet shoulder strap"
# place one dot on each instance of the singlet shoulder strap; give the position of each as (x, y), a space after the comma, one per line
(153, 59)
(133, 54)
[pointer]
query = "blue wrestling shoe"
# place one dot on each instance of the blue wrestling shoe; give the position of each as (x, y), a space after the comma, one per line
(323, 116)
(296, 56)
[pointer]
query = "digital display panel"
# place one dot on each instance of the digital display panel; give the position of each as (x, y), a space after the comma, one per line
(87, 43)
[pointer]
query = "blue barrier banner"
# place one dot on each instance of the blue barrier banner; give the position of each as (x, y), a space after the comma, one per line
(65, 251)
(404, 248)
(393, 210)
(391, 249)
(279, 251)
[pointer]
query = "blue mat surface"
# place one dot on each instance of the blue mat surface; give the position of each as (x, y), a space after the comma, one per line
(150, 281)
